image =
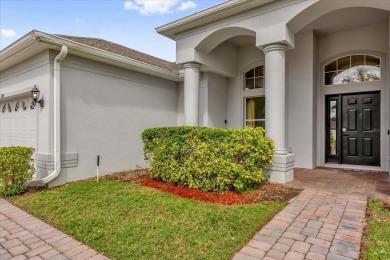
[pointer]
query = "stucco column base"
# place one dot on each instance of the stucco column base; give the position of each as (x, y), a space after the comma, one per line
(282, 169)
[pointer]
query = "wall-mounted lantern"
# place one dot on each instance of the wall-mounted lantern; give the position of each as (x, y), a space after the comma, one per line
(35, 94)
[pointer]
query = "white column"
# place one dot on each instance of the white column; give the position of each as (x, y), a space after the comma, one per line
(191, 94)
(282, 169)
(275, 95)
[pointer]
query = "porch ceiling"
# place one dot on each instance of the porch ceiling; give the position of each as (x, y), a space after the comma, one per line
(347, 18)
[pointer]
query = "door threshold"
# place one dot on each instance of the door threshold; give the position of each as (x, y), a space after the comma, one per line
(353, 167)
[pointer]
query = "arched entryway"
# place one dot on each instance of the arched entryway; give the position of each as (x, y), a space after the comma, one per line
(351, 93)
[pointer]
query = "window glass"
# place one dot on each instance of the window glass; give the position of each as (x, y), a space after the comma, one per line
(357, 60)
(331, 67)
(259, 71)
(250, 74)
(329, 76)
(352, 69)
(343, 63)
(373, 61)
(255, 112)
(249, 83)
(333, 127)
(254, 78)
(259, 82)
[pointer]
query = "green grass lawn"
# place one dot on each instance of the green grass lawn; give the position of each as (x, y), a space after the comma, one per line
(376, 241)
(129, 221)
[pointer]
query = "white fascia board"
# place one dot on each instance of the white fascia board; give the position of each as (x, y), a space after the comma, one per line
(24, 42)
(217, 12)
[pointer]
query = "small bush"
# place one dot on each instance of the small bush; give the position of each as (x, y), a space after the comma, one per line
(210, 159)
(16, 169)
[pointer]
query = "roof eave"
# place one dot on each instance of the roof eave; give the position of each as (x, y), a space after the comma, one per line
(216, 12)
(22, 43)
(91, 52)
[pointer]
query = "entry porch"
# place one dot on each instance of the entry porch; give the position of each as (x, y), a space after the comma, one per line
(343, 181)
(313, 74)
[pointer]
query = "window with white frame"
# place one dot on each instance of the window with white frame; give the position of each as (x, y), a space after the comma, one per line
(254, 78)
(352, 69)
(255, 111)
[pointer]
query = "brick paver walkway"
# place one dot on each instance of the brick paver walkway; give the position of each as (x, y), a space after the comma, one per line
(23, 236)
(315, 225)
(343, 181)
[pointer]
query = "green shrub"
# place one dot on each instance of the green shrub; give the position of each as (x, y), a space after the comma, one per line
(210, 159)
(16, 169)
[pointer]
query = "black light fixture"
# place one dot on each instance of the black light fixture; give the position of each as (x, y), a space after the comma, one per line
(35, 93)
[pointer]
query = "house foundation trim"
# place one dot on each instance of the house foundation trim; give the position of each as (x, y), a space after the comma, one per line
(282, 169)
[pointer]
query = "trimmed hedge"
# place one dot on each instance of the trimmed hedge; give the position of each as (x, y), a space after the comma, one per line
(210, 159)
(16, 169)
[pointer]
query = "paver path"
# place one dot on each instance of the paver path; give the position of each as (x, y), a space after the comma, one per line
(315, 225)
(343, 181)
(23, 236)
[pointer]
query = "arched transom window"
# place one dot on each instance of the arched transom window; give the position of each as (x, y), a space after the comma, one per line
(352, 69)
(254, 78)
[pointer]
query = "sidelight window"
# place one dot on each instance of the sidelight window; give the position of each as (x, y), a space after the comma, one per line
(332, 127)
(352, 69)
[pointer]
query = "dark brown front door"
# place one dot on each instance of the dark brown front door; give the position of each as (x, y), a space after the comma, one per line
(353, 129)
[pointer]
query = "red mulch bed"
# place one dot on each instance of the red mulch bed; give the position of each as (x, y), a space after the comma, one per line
(228, 198)
(266, 191)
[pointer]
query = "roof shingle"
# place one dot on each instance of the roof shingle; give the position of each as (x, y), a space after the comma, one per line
(123, 51)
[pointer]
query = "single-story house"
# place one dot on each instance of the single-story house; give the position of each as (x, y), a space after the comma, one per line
(314, 73)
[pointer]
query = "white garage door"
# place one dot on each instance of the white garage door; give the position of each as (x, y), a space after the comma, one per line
(18, 123)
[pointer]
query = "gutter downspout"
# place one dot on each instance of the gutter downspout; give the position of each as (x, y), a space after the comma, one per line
(57, 115)
(57, 120)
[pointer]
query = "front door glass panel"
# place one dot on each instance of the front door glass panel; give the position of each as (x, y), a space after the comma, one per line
(333, 127)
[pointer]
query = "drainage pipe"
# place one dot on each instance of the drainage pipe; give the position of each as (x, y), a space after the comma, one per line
(57, 115)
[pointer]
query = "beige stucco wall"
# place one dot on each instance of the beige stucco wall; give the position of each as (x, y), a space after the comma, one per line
(301, 100)
(104, 111)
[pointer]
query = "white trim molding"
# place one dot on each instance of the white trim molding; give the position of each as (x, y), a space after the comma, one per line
(24, 92)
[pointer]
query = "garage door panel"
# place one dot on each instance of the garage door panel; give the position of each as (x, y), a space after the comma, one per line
(18, 123)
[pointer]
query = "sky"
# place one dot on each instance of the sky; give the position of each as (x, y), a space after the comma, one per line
(130, 23)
